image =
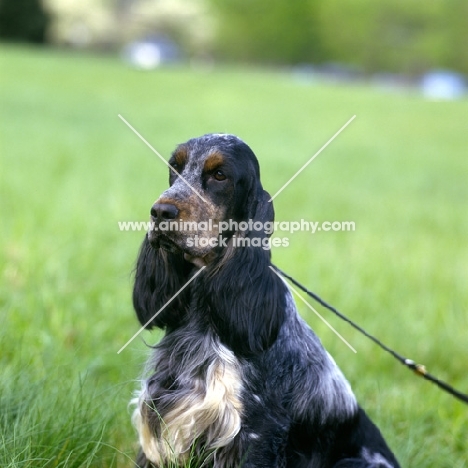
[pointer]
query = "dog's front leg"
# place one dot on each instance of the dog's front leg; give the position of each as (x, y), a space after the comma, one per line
(264, 448)
(142, 462)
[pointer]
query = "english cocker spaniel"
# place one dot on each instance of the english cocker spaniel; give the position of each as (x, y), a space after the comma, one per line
(239, 379)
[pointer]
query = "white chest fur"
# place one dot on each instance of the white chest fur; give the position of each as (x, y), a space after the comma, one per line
(210, 410)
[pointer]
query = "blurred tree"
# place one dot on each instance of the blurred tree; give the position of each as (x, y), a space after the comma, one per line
(23, 21)
(277, 31)
(406, 36)
(396, 35)
(456, 23)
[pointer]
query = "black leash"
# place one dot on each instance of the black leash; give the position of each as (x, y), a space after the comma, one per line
(418, 369)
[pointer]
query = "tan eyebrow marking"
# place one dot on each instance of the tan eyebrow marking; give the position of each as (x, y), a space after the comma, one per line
(213, 161)
(180, 155)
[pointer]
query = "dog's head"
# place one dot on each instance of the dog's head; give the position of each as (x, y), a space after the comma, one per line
(197, 222)
(214, 186)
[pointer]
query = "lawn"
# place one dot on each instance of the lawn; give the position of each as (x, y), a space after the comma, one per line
(71, 170)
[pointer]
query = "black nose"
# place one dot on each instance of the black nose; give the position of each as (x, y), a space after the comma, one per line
(164, 211)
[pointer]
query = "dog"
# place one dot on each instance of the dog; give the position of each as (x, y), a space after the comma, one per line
(239, 379)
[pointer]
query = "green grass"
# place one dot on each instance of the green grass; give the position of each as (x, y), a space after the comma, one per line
(70, 170)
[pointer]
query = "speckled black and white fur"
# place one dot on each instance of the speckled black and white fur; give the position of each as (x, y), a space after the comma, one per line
(239, 377)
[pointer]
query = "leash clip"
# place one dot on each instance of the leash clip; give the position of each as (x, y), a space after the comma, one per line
(418, 369)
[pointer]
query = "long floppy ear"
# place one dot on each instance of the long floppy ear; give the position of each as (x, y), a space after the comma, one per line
(261, 210)
(159, 275)
(245, 298)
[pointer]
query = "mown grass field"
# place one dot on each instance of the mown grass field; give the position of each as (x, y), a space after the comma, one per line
(70, 170)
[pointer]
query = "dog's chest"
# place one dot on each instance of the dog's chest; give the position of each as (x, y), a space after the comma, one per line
(201, 406)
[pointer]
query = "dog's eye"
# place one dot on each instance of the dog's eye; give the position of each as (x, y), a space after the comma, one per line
(219, 175)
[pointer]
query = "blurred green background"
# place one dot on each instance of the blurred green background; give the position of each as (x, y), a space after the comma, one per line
(390, 35)
(70, 170)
